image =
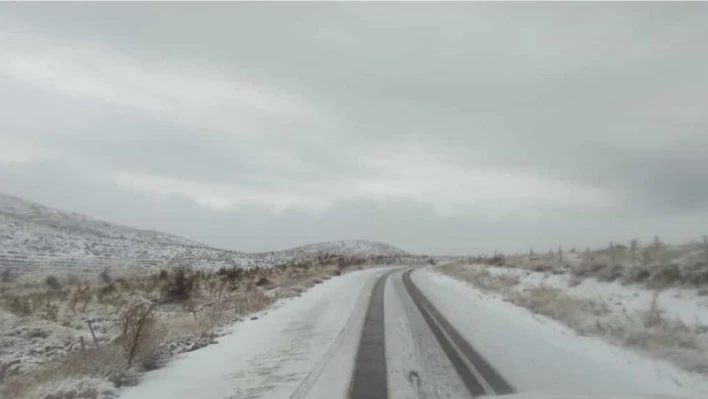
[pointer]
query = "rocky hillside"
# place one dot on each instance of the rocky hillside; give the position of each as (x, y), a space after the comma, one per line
(33, 236)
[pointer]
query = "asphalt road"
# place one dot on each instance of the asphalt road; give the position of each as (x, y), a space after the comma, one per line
(370, 378)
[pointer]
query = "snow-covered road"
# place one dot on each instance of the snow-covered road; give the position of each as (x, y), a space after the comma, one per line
(373, 334)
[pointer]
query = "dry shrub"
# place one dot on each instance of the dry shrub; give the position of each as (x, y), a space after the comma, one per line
(138, 330)
(636, 275)
(482, 278)
(105, 276)
(232, 276)
(554, 303)
(611, 273)
(669, 339)
(106, 291)
(496, 260)
(18, 305)
(589, 268)
(104, 363)
(664, 276)
(534, 263)
(212, 317)
(179, 286)
(250, 302)
(52, 282)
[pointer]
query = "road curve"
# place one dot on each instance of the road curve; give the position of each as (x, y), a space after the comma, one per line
(370, 375)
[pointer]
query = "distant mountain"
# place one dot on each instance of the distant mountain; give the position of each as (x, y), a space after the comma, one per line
(352, 247)
(36, 236)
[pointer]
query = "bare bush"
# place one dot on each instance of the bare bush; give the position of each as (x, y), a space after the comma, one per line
(52, 282)
(137, 325)
(554, 303)
(664, 276)
(179, 286)
(251, 302)
(482, 278)
(105, 276)
(589, 267)
(101, 364)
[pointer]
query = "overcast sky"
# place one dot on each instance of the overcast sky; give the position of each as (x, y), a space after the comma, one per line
(439, 128)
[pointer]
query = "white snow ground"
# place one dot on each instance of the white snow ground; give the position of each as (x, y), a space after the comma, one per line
(682, 303)
(537, 354)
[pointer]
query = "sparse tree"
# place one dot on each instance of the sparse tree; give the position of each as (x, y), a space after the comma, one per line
(560, 254)
(137, 323)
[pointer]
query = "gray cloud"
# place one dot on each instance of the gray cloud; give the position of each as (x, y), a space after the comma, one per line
(438, 127)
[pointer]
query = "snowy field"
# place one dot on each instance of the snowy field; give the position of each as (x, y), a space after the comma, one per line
(539, 354)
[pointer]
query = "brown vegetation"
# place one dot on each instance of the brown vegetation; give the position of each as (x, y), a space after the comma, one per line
(142, 319)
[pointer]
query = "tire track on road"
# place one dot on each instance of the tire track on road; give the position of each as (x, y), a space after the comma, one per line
(370, 377)
(478, 375)
(303, 390)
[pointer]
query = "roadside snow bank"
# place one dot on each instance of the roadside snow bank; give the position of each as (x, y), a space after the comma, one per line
(685, 304)
(537, 354)
(667, 324)
(271, 355)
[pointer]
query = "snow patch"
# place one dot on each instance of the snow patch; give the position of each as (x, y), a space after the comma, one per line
(538, 354)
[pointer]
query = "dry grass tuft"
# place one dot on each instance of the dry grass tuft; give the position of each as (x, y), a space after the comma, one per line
(481, 278)
(554, 303)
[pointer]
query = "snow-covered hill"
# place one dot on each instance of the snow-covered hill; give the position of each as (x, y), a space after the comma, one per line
(348, 247)
(36, 236)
